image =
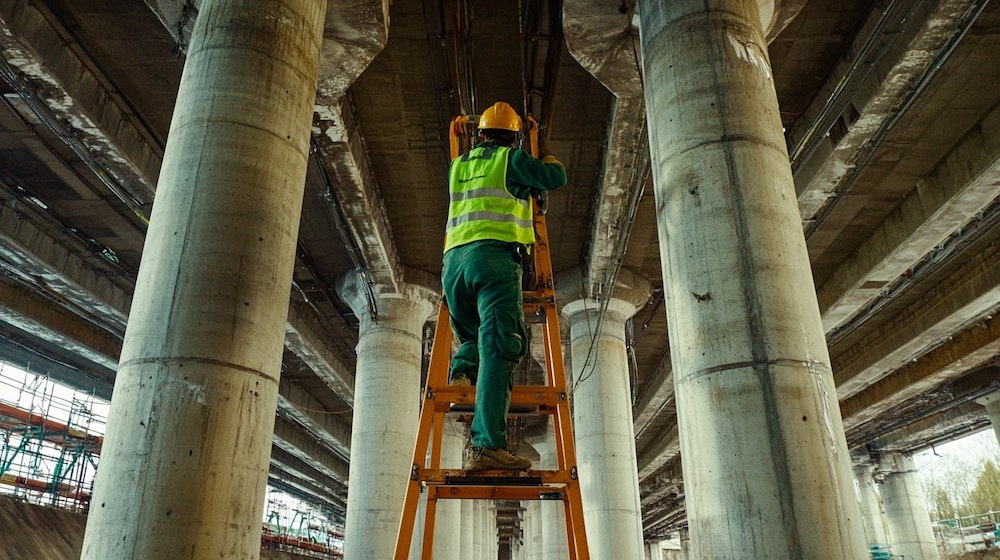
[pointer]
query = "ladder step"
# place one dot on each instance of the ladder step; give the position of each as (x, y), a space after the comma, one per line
(510, 478)
(524, 399)
(479, 478)
(515, 409)
(467, 492)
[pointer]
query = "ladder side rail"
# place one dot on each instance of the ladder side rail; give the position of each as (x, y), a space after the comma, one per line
(427, 550)
(565, 446)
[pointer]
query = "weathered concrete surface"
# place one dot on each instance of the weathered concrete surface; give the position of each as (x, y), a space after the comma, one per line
(756, 404)
(197, 382)
(29, 532)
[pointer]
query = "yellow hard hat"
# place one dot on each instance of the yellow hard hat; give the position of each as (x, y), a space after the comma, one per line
(500, 116)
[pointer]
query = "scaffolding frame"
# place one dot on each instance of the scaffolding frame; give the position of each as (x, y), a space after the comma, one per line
(51, 441)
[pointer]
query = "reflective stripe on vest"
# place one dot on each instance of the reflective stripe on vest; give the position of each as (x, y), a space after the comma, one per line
(480, 206)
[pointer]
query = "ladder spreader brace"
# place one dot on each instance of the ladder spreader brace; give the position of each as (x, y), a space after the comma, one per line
(552, 398)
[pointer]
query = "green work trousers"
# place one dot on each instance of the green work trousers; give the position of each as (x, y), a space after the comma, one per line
(482, 286)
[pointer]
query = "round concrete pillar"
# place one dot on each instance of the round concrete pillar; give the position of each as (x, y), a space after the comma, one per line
(466, 539)
(448, 520)
(533, 531)
(871, 506)
(602, 414)
(386, 399)
(764, 454)
(910, 531)
(992, 404)
(185, 457)
(552, 512)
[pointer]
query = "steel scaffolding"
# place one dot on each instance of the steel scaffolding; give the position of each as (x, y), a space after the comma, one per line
(52, 436)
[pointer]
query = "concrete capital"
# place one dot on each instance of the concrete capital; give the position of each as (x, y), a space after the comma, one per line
(630, 294)
(896, 463)
(990, 401)
(406, 308)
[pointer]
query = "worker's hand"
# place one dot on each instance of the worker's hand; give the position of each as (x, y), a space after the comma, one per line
(549, 158)
(543, 148)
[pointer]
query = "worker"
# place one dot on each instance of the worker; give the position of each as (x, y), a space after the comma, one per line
(487, 238)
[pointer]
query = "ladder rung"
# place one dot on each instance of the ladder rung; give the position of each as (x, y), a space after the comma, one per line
(534, 395)
(514, 410)
(458, 492)
(476, 479)
(457, 476)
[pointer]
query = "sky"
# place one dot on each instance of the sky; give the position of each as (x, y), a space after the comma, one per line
(956, 459)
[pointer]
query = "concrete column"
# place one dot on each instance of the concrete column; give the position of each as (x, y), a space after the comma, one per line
(871, 506)
(417, 540)
(386, 399)
(992, 404)
(533, 536)
(185, 458)
(448, 521)
(906, 514)
(766, 468)
(467, 530)
(552, 511)
(478, 529)
(602, 414)
(653, 551)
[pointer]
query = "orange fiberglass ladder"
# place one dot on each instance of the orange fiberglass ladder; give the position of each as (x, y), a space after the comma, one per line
(551, 398)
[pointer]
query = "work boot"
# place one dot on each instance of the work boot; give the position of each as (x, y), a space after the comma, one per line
(459, 381)
(483, 458)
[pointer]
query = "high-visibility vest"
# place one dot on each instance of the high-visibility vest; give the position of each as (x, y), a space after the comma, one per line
(480, 205)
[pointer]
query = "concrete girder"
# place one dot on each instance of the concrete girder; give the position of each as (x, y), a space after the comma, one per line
(656, 396)
(41, 318)
(967, 294)
(959, 187)
(915, 436)
(53, 72)
(297, 404)
(602, 40)
(656, 401)
(654, 458)
(356, 31)
(287, 482)
(821, 166)
(343, 154)
(290, 437)
(335, 491)
(303, 338)
(57, 269)
(964, 350)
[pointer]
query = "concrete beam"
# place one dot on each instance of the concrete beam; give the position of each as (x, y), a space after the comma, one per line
(656, 397)
(46, 320)
(821, 162)
(279, 478)
(343, 154)
(290, 437)
(53, 72)
(966, 181)
(968, 293)
(958, 353)
(58, 269)
(298, 405)
(653, 458)
(604, 42)
(303, 338)
(305, 475)
(355, 33)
